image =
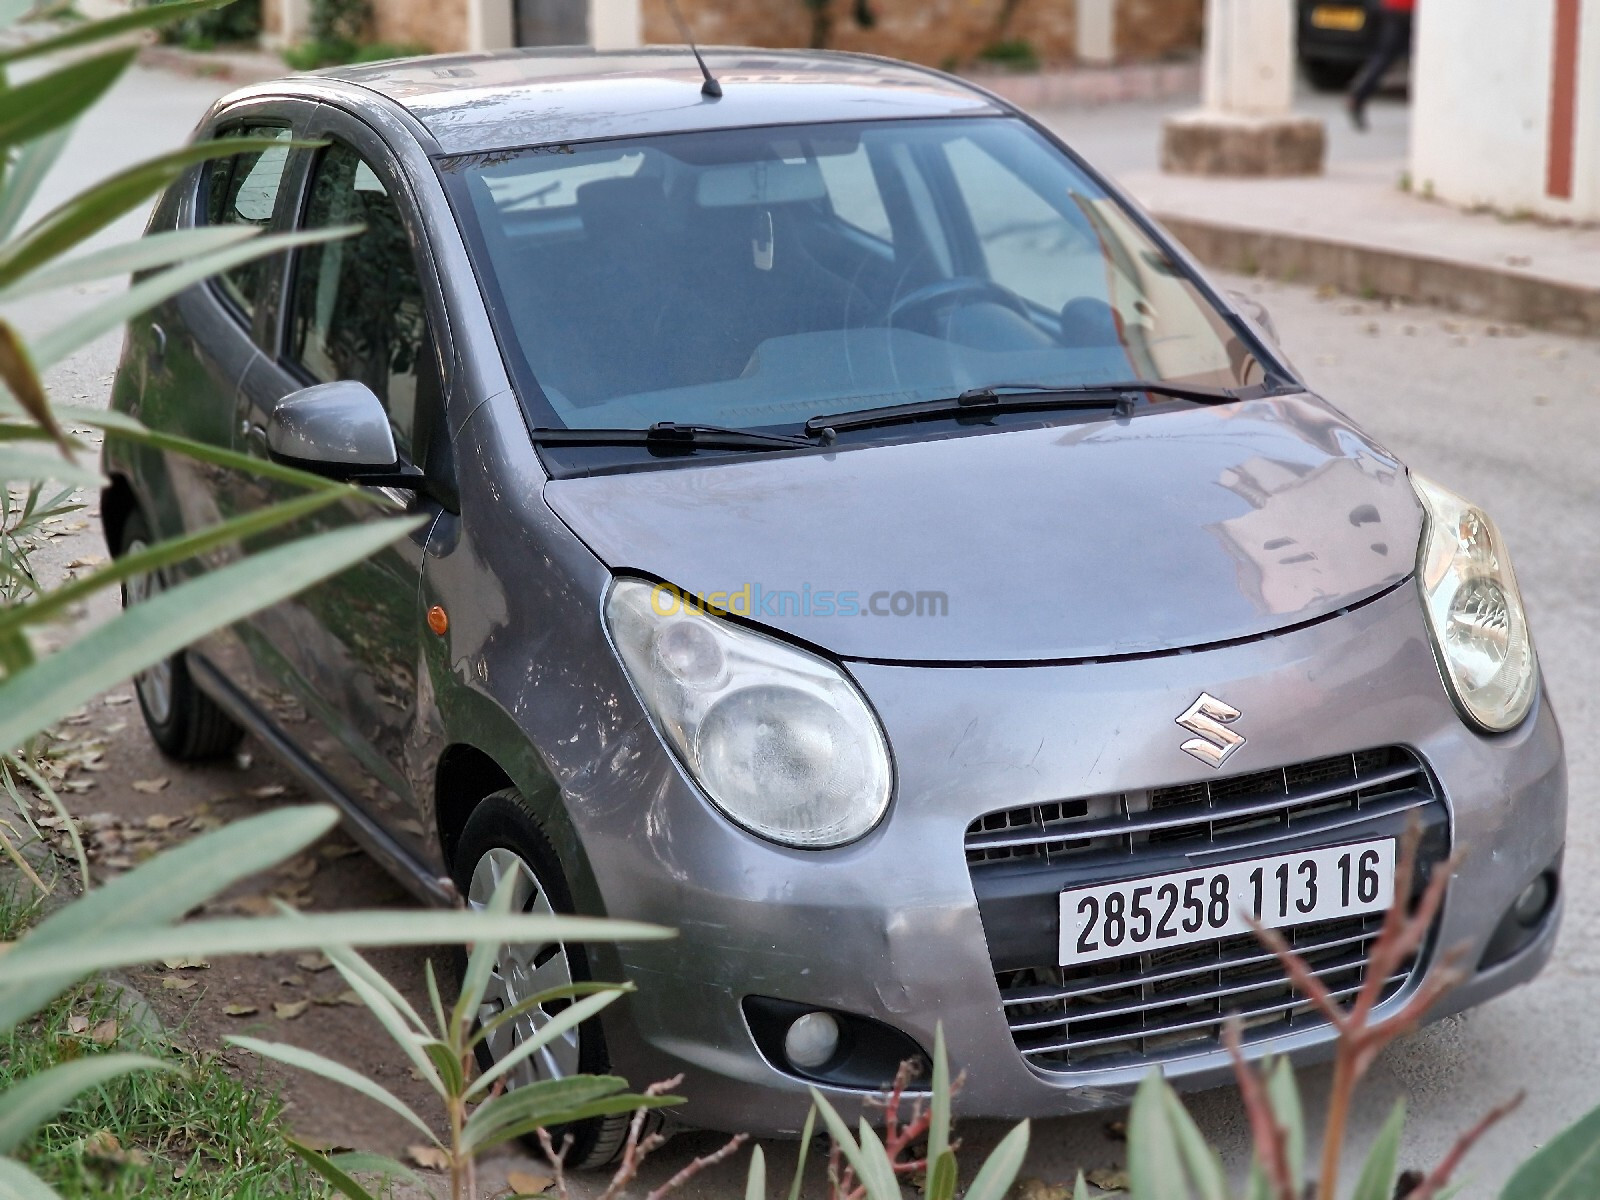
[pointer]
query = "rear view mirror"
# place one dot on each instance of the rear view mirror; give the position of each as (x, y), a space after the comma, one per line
(335, 429)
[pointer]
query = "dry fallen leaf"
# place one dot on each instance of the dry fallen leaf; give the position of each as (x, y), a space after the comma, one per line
(240, 1010)
(1038, 1189)
(288, 1010)
(335, 850)
(185, 964)
(177, 983)
(429, 1158)
(77, 1023)
(267, 792)
(151, 786)
(161, 822)
(300, 870)
(104, 1034)
(118, 700)
(525, 1184)
(1109, 1179)
(331, 999)
(313, 962)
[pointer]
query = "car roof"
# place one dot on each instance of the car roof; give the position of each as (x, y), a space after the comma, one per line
(507, 99)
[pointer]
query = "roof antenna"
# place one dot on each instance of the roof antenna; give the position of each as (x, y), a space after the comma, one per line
(710, 87)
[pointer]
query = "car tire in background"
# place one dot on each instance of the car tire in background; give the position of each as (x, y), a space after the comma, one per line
(503, 837)
(185, 722)
(1329, 75)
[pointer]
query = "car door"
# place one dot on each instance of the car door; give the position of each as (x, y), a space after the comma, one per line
(198, 346)
(345, 654)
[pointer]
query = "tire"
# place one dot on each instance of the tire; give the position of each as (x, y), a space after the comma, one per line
(1328, 75)
(503, 835)
(185, 723)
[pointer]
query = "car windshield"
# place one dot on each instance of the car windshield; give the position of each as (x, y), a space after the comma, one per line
(757, 277)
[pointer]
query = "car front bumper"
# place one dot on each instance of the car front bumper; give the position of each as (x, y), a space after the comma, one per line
(889, 927)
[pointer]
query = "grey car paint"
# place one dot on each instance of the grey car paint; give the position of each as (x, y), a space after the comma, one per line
(1003, 703)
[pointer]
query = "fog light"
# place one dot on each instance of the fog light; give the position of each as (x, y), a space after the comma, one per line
(1534, 901)
(811, 1040)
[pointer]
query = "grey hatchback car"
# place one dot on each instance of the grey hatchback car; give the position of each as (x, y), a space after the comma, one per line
(856, 536)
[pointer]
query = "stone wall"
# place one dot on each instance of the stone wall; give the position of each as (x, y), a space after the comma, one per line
(439, 25)
(937, 32)
(1152, 29)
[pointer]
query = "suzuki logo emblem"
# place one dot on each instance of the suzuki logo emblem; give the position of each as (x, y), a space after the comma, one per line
(1210, 718)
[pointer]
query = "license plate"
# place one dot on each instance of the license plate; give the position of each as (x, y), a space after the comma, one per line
(1339, 16)
(1137, 915)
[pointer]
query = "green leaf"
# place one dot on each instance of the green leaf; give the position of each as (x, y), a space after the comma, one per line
(19, 1183)
(876, 1169)
(583, 1112)
(1204, 1166)
(1565, 1168)
(942, 1176)
(1080, 1190)
(97, 951)
(381, 1165)
(49, 101)
(806, 1135)
(939, 1108)
(146, 254)
(1155, 1168)
(323, 1166)
(163, 554)
(86, 327)
(20, 373)
(334, 1072)
(1284, 1097)
(434, 998)
(154, 892)
(755, 1183)
(88, 32)
(42, 694)
(38, 1098)
(535, 1102)
(123, 428)
(480, 964)
(403, 1034)
(448, 1064)
(91, 210)
(17, 464)
(1378, 1172)
(28, 169)
(1000, 1169)
(524, 1007)
(838, 1130)
(568, 1018)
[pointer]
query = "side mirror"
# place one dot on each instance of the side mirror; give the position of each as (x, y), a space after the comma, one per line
(335, 429)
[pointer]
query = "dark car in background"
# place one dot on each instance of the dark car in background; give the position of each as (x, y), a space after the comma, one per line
(1334, 37)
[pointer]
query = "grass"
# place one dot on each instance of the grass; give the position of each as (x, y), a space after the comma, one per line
(195, 1133)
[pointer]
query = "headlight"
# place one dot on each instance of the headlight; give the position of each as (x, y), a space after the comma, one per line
(780, 740)
(1480, 633)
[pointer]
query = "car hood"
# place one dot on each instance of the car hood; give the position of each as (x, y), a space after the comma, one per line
(1169, 530)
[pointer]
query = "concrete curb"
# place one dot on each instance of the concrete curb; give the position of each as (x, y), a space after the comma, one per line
(1093, 85)
(1480, 290)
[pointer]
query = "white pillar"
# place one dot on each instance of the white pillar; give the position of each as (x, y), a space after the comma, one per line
(1249, 57)
(615, 24)
(1097, 31)
(296, 20)
(489, 25)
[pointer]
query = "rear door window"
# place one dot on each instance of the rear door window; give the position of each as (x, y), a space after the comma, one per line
(244, 190)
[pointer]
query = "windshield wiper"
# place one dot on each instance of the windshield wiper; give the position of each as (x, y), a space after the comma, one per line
(670, 435)
(1027, 397)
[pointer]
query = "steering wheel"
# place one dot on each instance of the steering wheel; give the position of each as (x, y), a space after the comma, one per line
(942, 291)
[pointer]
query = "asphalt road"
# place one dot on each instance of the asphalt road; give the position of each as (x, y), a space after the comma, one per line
(1505, 417)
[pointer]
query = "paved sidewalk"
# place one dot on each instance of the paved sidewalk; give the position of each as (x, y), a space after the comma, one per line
(1356, 227)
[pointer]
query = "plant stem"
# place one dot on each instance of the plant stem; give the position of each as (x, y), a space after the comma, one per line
(1333, 1134)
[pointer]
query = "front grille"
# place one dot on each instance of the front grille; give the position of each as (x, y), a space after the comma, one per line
(1172, 1003)
(1148, 1007)
(1322, 796)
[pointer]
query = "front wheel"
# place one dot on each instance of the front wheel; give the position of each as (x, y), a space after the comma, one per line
(1328, 75)
(504, 840)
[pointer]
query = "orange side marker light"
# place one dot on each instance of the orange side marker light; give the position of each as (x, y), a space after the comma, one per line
(438, 620)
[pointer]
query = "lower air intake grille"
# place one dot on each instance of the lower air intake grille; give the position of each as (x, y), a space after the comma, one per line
(1149, 1007)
